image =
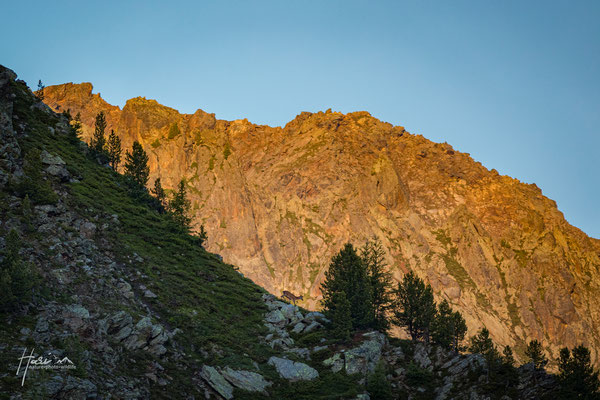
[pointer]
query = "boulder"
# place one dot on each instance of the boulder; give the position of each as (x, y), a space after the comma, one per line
(275, 317)
(292, 370)
(245, 380)
(302, 352)
(421, 356)
(336, 362)
(123, 287)
(289, 311)
(313, 316)
(217, 381)
(362, 359)
(50, 159)
(75, 317)
(299, 327)
(313, 326)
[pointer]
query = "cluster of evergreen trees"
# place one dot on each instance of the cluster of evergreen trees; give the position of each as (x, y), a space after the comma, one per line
(137, 172)
(356, 290)
(358, 294)
(577, 378)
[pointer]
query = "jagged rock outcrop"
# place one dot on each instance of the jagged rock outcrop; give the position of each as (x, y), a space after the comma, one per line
(279, 202)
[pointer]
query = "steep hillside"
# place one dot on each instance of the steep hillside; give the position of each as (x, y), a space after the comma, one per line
(279, 202)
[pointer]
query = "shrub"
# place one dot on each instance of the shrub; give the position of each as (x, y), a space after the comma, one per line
(32, 184)
(377, 384)
(174, 131)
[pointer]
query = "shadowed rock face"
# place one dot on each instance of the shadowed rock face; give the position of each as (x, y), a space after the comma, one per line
(279, 202)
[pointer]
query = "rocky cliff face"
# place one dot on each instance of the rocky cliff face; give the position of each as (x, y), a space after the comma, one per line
(279, 202)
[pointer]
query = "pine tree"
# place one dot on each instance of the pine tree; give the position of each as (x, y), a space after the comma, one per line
(459, 326)
(577, 377)
(179, 206)
(159, 192)
(378, 386)
(372, 255)
(98, 141)
(483, 344)
(201, 236)
(136, 165)
(415, 309)
(40, 92)
(75, 131)
(448, 328)
(341, 320)
(114, 150)
(535, 354)
(347, 273)
(441, 327)
(507, 356)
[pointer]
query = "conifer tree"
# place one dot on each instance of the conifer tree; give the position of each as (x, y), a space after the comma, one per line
(459, 326)
(114, 150)
(441, 326)
(347, 273)
(341, 320)
(179, 206)
(507, 356)
(483, 344)
(40, 92)
(535, 354)
(98, 141)
(415, 308)
(159, 192)
(577, 377)
(372, 255)
(448, 328)
(202, 235)
(75, 131)
(136, 165)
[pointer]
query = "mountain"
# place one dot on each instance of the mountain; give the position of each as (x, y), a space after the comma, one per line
(279, 202)
(104, 296)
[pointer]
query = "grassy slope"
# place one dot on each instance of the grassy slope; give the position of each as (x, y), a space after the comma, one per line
(219, 311)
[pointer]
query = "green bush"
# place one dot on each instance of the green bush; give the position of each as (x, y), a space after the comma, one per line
(32, 184)
(16, 276)
(417, 376)
(174, 131)
(378, 386)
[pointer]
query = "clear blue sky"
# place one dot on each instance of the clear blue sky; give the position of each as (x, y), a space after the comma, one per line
(514, 83)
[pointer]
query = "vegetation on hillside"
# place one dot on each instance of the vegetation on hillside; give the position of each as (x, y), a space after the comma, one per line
(220, 312)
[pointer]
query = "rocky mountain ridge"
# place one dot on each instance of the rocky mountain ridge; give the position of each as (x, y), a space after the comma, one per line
(279, 202)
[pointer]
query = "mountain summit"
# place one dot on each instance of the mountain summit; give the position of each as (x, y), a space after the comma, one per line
(279, 202)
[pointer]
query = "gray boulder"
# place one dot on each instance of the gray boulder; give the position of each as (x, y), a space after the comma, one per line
(336, 362)
(245, 380)
(217, 381)
(275, 317)
(293, 371)
(313, 326)
(362, 359)
(421, 357)
(299, 327)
